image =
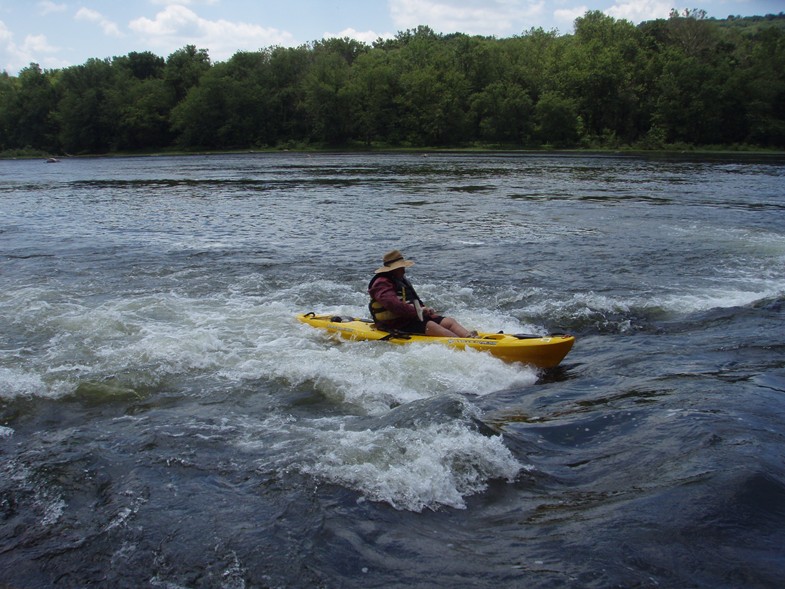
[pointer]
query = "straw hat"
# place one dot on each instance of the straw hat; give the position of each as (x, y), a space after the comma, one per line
(393, 260)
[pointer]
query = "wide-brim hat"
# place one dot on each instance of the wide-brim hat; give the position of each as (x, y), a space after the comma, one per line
(393, 260)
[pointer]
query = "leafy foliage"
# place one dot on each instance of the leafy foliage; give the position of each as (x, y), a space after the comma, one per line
(685, 80)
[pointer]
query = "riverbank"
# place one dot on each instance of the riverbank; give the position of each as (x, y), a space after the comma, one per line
(676, 151)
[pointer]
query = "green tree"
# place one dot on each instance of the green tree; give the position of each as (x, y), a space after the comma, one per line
(31, 110)
(7, 123)
(142, 66)
(505, 112)
(90, 108)
(556, 120)
(434, 98)
(763, 83)
(198, 119)
(250, 118)
(184, 68)
(348, 49)
(231, 107)
(288, 68)
(532, 61)
(144, 101)
(686, 79)
(326, 98)
(433, 108)
(145, 113)
(691, 33)
(370, 92)
(602, 68)
(690, 94)
(475, 59)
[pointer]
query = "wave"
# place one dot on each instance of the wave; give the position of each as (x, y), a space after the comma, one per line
(145, 342)
(58, 343)
(414, 469)
(426, 454)
(592, 312)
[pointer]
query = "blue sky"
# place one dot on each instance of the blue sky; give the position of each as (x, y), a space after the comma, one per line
(59, 33)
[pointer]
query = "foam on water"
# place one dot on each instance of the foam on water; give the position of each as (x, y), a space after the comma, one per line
(17, 382)
(718, 299)
(430, 455)
(620, 311)
(414, 469)
(61, 340)
(375, 376)
(138, 341)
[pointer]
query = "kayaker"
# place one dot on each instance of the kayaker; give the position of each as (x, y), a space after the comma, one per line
(395, 304)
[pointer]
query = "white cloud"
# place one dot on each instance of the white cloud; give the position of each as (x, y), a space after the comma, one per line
(38, 44)
(47, 7)
(480, 17)
(5, 35)
(176, 26)
(637, 11)
(35, 48)
(183, 2)
(109, 27)
(8, 56)
(367, 37)
(568, 15)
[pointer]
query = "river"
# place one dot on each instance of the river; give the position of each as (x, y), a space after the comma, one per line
(166, 422)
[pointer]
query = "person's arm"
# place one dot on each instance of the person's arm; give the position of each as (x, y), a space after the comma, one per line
(383, 291)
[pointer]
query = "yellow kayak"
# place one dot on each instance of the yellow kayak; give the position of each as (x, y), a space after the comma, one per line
(541, 351)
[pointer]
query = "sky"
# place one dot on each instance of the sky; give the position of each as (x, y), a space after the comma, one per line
(60, 33)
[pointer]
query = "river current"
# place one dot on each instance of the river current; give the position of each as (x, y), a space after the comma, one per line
(166, 422)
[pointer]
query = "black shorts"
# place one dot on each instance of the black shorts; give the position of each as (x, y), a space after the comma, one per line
(414, 326)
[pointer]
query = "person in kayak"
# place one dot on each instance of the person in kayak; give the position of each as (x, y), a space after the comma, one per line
(395, 305)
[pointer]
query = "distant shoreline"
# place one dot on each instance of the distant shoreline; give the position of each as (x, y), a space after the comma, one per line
(670, 153)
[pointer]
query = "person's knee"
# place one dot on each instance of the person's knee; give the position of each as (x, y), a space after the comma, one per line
(433, 328)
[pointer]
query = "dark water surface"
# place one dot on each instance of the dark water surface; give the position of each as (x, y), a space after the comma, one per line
(165, 422)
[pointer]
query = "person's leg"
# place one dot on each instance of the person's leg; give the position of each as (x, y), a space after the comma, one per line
(436, 329)
(448, 327)
(456, 327)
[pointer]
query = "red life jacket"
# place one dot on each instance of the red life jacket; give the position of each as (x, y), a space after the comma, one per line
(405, 292)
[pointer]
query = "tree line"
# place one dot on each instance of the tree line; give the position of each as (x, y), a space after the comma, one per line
(679, 82)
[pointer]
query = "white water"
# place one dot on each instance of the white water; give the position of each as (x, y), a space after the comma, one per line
(167, 421)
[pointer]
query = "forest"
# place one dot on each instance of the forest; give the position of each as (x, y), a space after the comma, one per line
(685, 82)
